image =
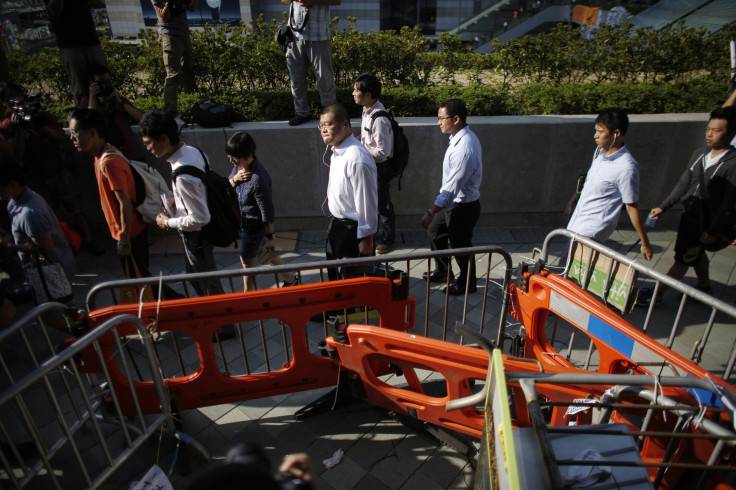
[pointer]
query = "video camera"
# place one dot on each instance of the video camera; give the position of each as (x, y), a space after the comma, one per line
(26, 110)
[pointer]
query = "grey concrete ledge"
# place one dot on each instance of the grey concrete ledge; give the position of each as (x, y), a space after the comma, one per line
(531, 164)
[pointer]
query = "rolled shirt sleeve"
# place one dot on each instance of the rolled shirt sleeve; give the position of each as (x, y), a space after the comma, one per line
(462, 170)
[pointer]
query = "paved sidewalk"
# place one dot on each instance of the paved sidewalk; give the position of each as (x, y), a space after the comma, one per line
(379, 452)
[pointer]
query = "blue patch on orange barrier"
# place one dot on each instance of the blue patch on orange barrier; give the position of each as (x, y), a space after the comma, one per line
(605, 332)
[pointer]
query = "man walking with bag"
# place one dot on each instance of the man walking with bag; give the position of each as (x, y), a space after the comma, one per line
(707, 190)
(116, 185)
(378, 138)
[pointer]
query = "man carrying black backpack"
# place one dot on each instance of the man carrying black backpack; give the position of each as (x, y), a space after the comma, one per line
(377, 136)
(190, 212)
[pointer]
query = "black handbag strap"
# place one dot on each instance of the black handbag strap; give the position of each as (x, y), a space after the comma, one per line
(291, 19)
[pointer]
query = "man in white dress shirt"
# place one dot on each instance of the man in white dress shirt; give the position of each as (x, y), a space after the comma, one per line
(378, 138)
(351, 191)
(160, 134)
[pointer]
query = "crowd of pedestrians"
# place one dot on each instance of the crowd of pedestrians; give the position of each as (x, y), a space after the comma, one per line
(36, 181)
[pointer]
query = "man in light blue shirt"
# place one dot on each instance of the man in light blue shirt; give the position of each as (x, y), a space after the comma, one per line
(612, 183)
(452, 217)
(310, 22)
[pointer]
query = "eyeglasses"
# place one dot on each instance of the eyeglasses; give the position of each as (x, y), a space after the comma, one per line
(440, 118)
(326, 125)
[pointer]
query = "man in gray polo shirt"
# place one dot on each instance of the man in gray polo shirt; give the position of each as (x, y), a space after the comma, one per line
(173, 30)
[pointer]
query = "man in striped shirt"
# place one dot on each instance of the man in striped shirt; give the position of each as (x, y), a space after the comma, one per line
(310, 22)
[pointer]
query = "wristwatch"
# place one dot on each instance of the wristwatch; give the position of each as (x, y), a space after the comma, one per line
(269, 236)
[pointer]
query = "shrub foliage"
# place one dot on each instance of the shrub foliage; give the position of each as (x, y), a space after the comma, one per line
(675, 69)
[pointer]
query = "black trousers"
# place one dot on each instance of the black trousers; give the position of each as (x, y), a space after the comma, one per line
(386, 216)
(139, 252)
(454, 228)
(342, 242)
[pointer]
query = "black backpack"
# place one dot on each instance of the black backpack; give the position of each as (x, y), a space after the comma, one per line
(401, 146)
(210, 114)
(222, 202)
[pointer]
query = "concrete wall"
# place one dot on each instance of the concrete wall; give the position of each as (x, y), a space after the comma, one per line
(531, 164)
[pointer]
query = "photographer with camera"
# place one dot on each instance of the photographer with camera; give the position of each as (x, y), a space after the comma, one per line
(117, 110)
(247, 466)
(39, 141)
(173, 31)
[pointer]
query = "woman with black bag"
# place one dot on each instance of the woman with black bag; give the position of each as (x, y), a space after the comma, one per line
(47, 259)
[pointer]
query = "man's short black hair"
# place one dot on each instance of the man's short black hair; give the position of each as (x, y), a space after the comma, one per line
(613, 118)
(367, 82)
(12, 169)
(89, 119)
(339, 111)
(727, 113)
(455, 107)
(240, 145)
(98, 70)
(155, 124)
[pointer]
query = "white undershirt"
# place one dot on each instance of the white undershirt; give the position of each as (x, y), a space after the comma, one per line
(710, 160)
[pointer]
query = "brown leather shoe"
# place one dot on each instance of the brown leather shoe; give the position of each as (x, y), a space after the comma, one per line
(384, 247)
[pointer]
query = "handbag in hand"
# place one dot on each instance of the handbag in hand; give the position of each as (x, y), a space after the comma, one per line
(132, 294)
(48, 280)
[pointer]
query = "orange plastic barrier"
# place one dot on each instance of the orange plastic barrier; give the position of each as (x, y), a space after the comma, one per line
(370, 348)
(621, 349)
(199, 318)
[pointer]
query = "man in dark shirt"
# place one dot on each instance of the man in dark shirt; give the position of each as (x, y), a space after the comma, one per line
(707, 190)
(76, 36)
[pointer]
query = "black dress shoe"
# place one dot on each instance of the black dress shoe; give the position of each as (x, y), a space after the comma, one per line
(297, 120)
(458, 290)
(437, 276)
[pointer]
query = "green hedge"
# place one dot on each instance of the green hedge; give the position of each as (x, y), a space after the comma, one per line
(676, 69)
(482, 100)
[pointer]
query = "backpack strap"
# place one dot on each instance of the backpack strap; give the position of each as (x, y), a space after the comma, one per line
(192, 170)
(112, 151)
(189, 170)
(378, 114)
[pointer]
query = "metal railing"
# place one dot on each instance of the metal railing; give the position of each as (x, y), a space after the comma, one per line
(701, 315)
(493, 264)
(58, 425)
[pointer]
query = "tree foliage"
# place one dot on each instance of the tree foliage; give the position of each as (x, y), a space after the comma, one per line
(567, 70)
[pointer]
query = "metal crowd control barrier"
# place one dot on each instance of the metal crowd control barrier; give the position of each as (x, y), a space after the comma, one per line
(521, 450)
(494, 269)
(686, 330)
(60, 427)
(277, 349)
